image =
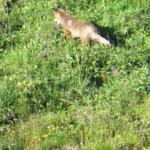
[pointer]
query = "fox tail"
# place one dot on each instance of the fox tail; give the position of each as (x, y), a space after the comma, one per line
(96, 37)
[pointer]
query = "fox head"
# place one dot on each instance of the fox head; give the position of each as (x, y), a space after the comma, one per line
(59, 16)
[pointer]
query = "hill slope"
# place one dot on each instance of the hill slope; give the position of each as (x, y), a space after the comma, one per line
(88, 97)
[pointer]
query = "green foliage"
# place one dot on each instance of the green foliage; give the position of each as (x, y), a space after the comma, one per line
(57, 93)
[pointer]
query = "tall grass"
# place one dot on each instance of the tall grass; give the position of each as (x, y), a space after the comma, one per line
(85, 97)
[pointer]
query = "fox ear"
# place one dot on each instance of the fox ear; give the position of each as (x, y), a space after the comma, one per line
(55, 11)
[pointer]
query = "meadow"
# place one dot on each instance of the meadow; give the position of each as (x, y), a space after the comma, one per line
(59, 94)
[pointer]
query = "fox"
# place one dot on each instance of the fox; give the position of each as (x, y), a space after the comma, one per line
(75, 28)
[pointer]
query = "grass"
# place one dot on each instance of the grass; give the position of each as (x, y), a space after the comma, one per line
(84, 97)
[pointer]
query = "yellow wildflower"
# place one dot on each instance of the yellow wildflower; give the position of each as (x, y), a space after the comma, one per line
(45, 136)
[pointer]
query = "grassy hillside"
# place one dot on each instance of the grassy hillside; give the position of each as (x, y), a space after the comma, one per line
(57, 93)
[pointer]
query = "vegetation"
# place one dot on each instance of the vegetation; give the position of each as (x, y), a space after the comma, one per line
(57, 93)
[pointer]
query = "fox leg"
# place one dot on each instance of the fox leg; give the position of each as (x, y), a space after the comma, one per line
(85, 39)
(66, 33)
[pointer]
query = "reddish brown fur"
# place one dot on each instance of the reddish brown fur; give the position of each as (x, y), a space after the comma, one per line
(85, 30)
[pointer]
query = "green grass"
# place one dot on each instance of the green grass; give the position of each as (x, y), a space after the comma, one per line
(85, 97)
